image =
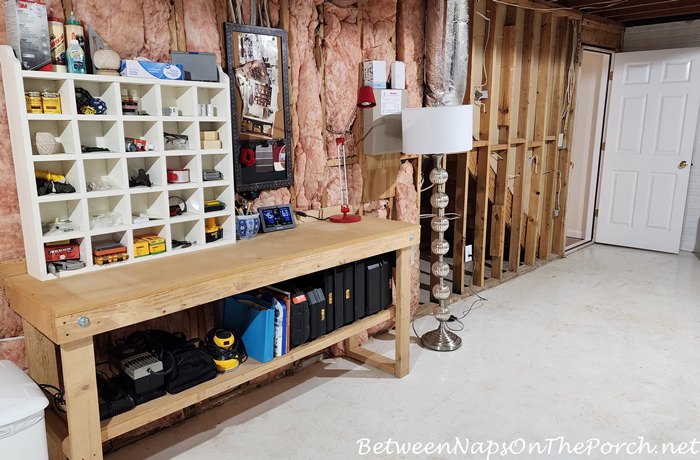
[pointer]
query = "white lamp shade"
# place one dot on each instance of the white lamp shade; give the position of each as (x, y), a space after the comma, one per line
(431, 130)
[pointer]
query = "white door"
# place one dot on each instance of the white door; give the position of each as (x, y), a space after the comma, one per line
(651, 122)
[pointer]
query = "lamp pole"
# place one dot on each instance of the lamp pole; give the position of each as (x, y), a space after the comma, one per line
(440, 339)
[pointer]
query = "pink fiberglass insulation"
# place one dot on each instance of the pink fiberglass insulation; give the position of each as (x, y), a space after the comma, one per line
(410, 46)
(202, 28)
(378, 27)
(307, 116)
(120, 24)
(272, 197)
(377, 209)
(407, 211)
(14, 351)
(343, 55)
(156, 46)
(354, 186)
(10, 323)
(55, 9)
(274, 9)
(245, 11)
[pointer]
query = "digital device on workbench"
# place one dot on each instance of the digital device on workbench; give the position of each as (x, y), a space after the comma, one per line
(278, 217)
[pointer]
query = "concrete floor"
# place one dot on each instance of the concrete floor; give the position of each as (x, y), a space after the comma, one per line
(604, 344)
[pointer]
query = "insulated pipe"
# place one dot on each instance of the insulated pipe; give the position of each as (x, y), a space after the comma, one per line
(446, 52)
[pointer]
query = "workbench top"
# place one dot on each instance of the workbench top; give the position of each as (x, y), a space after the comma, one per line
(119, 296)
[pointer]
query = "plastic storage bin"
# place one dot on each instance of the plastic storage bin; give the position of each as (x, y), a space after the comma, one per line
(22, 404)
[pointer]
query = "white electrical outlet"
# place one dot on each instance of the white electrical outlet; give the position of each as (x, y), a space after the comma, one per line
(468, 253)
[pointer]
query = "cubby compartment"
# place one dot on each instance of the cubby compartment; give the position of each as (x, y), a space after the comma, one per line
(96, 134)
(189, 129)
(224, 226)
(107, 214)
(69, 258)
(53, 137)
(186, 235)
(215, 169)
(189, 202)
(106, 176)
(153, 246)
(222, 194)
(148, 130)
(175, 165)
(217, 97)
(64, 88)
(67, 172)
(99, 243)
(154, 167)
(146, 208)
(143, 97)
(108, 92)
(218, 136)
(61, 220)
(182, 98)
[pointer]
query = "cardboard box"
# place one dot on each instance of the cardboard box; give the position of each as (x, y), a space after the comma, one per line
(140, 248)
(28, 33)
(208, 136)
(374, 74)
(210, 145)
(398, 75)
(148, 69)
(156, 244)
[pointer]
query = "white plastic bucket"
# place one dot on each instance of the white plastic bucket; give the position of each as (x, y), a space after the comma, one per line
(22, 404)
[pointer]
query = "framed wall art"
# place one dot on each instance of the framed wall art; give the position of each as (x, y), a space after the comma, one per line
(257, 65)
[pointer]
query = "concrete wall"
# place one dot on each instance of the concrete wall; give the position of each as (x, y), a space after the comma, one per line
(668, 36)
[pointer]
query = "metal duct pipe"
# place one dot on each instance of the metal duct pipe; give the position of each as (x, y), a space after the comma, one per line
(446, 51)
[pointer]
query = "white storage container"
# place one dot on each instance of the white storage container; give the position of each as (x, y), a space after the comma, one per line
(22, 404)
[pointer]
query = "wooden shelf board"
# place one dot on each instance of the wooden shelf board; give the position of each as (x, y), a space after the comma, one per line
(246, 372)
(55, 157)
(49, 117)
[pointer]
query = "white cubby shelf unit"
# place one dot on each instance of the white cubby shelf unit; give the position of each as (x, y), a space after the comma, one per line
(101, 179)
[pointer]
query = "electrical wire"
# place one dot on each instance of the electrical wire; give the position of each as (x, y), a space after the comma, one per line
(303, 214)
(485, 74)
(56, 395)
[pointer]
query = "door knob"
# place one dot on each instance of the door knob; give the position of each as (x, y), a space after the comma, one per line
(683, 164)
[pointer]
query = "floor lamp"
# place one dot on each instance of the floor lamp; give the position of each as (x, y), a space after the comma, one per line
(438, 131)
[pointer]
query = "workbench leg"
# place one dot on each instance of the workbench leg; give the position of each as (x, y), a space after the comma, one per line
(43, 368)
(84, 438)
(403, 310)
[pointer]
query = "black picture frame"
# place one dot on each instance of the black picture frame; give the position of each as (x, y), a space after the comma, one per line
(248, 178)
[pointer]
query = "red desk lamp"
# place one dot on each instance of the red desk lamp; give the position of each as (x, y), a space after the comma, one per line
(365, 99)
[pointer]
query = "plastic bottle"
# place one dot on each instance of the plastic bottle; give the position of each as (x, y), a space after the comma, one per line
(74, 31)
(75, 56)
(58, 45)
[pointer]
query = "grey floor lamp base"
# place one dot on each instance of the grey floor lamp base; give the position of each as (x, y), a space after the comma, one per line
(441, 339)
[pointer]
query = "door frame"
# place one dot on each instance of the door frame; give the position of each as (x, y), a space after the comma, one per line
(597, 174)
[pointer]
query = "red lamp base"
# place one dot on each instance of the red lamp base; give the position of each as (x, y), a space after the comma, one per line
(345, 218)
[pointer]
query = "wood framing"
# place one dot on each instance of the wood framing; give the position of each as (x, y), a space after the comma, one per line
(521, 54)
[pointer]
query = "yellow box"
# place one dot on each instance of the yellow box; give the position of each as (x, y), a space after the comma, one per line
(207, 145)
(140, 247)
(50, 102)
(156, 244)
(208, 136)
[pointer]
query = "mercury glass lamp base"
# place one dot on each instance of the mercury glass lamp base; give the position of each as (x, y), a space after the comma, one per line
(441, 339)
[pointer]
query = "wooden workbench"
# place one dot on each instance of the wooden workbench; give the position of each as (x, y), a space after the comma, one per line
(61, 317)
